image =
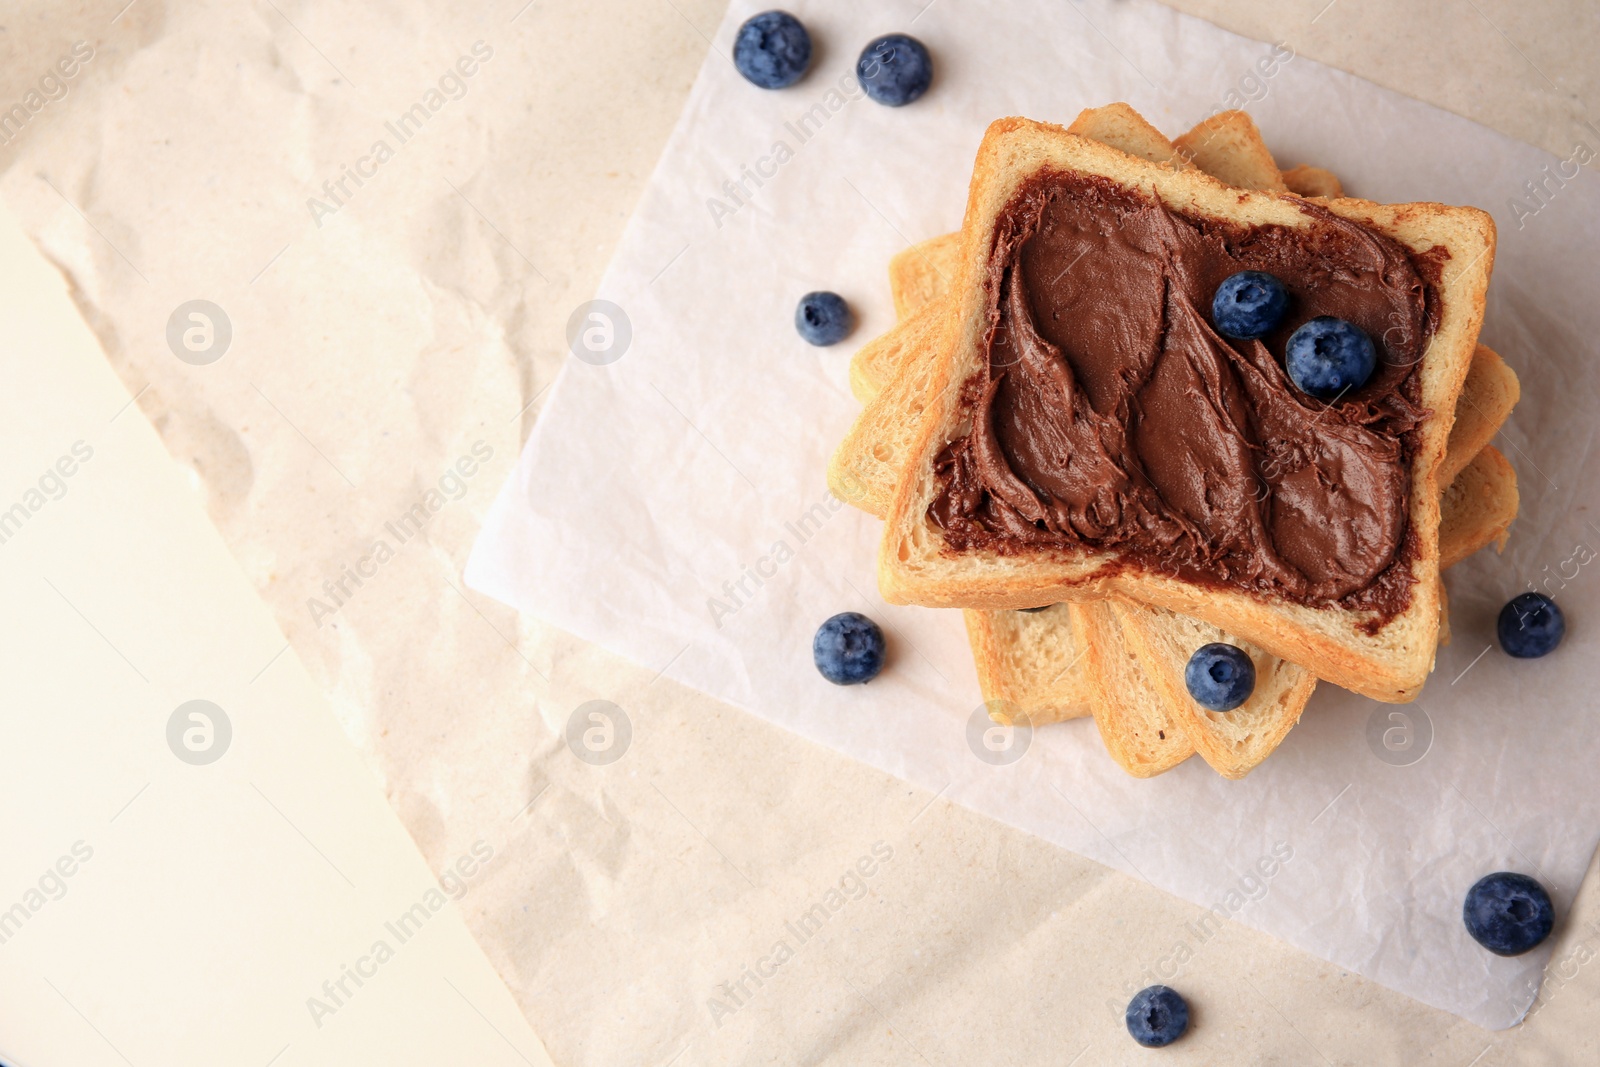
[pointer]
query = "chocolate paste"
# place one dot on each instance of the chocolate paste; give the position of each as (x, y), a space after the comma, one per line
(1111, 414)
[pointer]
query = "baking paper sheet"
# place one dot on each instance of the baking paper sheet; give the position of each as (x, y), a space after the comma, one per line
(671, 503)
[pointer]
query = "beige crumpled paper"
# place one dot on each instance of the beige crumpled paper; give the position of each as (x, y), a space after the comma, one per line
(423, 318)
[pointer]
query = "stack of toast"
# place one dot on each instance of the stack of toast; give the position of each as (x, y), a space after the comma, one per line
(1069, 627)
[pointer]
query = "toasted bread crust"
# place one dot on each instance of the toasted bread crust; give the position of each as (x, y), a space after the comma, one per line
(1233, 742)
(1479, 507)
(1029, 663)
(1488, 394)
(916, 276)
(1306, 180)
(1135, 718)
(1228, 146)
(1119, 126)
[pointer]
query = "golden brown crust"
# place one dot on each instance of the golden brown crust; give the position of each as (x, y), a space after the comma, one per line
(919, 274)
(1488, 394)
(1309, 181)
(866, 466)
(1029, 663)
(1444, 616)
(1135, 719)
(1233, 742)
(1228, 146)
(1478, 508)
(1119, 126)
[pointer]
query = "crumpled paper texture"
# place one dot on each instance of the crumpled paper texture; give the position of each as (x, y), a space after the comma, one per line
(631, 892)
(670, 504)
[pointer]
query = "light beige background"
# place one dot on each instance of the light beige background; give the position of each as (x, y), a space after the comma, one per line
(372, 353)
(121, 605)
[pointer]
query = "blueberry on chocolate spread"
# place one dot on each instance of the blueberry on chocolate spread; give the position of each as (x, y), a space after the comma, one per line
(1249, 304)
(1328, 357)
(1112, 415)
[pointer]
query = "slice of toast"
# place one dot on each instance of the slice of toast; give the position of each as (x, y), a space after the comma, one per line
(918, 566)
(1228, 146)
(880, 360)
(1135, 719)
(1232, 742)
(1306, 180)
(1030, 664)
(1121, 127)
(1478, 507)
(1031, 661)
(917, 276)
(1487, 397)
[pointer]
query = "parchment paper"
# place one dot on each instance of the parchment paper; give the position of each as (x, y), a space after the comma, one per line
(671, 504)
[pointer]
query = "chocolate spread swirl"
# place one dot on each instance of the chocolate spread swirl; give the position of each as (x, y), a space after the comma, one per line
(1112, 415)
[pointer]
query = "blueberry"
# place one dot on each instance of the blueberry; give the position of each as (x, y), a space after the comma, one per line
(1220, 677)
(1329, 356)
(823, 318)
(1508, 913)
(1530, 626)
(1157, 1016)
(895, 69)
(848, 649)
(1249, 304)
(772, 49)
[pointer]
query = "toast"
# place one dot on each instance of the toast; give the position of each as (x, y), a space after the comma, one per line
(1232, 742)
(1228, 146)
(1478, 507)
(880, 360)
(1030, 664)
(1134, 717)
(917, 565)
(1487, 397)
(1121, 127)
(917, 276)
(1306, 180)
(1031, 661)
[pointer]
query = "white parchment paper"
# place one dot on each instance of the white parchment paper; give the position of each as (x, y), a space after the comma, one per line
(671, 504)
